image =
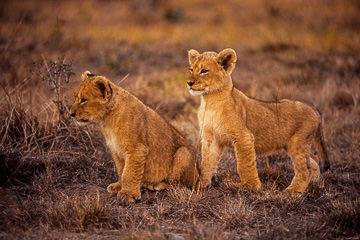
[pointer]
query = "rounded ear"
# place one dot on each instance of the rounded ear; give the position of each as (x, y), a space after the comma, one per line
(104, 86)
(192, 54)
(227, 59)
(86, 75)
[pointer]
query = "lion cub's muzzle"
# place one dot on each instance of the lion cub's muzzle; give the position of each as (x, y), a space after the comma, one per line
(193, 91)
(190, 83)
(73, 114)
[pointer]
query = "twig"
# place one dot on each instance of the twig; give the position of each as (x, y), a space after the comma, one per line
(7, 127)
(19, 86)
(124, 78)
(92, 144)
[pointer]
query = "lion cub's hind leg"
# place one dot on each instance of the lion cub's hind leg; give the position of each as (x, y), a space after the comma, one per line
(156, 186)
(314, 168)
(184, 167)
(299, 151)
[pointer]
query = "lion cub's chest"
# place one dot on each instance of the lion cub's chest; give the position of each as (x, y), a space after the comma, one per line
(212, 125)
(111, 141)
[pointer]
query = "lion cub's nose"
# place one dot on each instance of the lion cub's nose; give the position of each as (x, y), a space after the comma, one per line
(73, 114)
(190, 83)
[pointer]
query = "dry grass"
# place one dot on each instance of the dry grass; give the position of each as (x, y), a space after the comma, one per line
(53, 174)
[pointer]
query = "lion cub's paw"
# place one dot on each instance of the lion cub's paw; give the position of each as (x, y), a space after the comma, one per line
(204, 183)
(156, 186)
(292, 189)
(314, 169)
(114, 187)
(148, 186)
(126, 198)
(255, 185)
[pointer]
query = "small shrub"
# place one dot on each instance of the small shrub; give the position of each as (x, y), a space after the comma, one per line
(55, 74)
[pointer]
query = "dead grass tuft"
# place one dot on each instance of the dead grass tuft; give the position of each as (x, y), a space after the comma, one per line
(187, 196)
(345, 217)
(343, 100)
(237, 214)
(76, 214)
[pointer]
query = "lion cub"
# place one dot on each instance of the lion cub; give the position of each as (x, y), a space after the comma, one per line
(146, 148)
(229, 118)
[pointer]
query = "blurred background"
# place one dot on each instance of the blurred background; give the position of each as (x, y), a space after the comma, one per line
(301, 49)
(273, 39)
(285, 48)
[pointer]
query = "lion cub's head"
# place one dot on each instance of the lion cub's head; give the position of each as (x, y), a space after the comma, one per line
(92, 98)
(208, 71)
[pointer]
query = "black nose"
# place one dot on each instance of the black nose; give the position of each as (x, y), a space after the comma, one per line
(73, 114)
(190, 83)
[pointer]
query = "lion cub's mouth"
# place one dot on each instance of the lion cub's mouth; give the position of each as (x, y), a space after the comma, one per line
(82, 121)
(196, 92)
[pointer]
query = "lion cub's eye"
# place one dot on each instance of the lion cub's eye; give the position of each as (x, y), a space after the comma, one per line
(82, 100)
(203, 71)
(191, 70)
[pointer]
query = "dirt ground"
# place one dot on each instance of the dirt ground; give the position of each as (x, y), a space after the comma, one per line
(54, 174)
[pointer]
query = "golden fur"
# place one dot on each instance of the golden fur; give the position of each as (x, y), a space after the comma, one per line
(229, 118)
(146, 149)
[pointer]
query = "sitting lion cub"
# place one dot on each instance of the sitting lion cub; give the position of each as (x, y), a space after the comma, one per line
(155, 153)
(229, 118)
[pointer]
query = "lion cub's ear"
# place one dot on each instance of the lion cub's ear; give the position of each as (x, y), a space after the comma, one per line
(227, 59)
(86, 75)
(192, 54)
(104, 86)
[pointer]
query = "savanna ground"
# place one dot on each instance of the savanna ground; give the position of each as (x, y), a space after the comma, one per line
(54, 174)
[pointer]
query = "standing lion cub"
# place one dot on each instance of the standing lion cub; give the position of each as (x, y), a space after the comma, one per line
(229, 118)
(155, 153)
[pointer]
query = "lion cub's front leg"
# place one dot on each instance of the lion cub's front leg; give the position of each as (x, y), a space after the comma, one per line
(243, 143)
(132, 175)
(211, 151)
(119, 164)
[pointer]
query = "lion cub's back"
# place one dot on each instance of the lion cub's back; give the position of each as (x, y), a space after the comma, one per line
(162, 142)
(162, 133)
(274, 123)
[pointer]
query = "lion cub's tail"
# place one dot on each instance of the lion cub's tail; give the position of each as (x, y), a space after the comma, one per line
(320, 145)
